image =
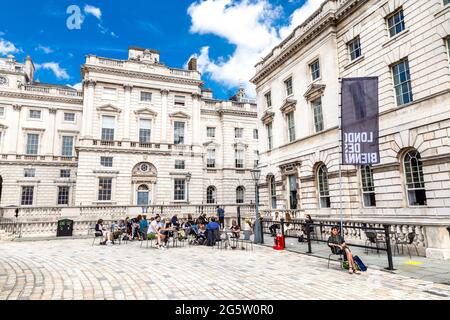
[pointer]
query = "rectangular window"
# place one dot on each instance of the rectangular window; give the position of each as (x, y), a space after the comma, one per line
(318, 115)
(396, 23)
(145, 130)
(27, 196)
(35, 114)
(448, 45)
(32, 143)
(211, 158)
(402, 82)
(146, 96)
(211, 132)
(106, 161)
(63, 196)
(256, 161)
(368, 187)
(239, 158)
(109, 94)
(354, 48)
(64, 173)
(291, 126)
(69, 117)
(108, 126)
(268, 97)
(104, 189)
(315, 70)
(67, 146)
(446, 2)
(178, 132)
(255, 134)
(238, 132)
(29, 173)
(180, 101)
(293, 203)
(180, 164)
(2, 111)
(269, 136)
(288, 86)
(179, 190)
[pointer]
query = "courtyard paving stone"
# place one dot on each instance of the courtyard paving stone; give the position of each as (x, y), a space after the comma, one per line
(73, 269)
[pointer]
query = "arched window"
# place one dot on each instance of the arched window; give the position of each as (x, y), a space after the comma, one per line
(240, 191)
(143, 195)
(415, 185)
(273, 192)
(324, 192)
(368, 188)
(211, 195)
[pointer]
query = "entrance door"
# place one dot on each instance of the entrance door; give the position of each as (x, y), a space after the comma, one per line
(143, 196)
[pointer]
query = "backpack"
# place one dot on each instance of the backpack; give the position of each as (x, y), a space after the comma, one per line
(359, 263)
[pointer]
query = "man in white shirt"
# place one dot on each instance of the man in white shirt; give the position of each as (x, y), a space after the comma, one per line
(154, 228)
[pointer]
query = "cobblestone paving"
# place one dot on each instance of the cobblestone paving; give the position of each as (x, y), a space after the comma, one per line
(73, 269)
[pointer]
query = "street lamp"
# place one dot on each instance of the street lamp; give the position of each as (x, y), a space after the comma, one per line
(188, 178)
(256, 175)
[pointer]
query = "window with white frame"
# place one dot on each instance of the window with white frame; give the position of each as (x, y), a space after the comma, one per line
(239, 158)
(323, 188)
(178, 132)
(446, 2)
(415, 184)
(27, 196)
(315, 70)
(402, 82)
(2, 111)
(64, 173)
(180, 164)
(269, 136)
(35, 114)
(268, 97)
(256, 160)
(238, 132)
(179, 189)
(29, 172)
(63, 195)
(211, 132)
(69, 117)
(273, 192)
(318, 115)
(255, 134)
(67, 146)
(447, 41)
(109, 94)
(104, 189)
(180, 101)
(32, 143)
(291, 126)
(368, 187)
(354, 48)
(146, 96)
(396, 22)
(240, 193)
(288, 87)
(211, 195)
(145, 130)
(106, 162)
(108, 126)
(211, 158)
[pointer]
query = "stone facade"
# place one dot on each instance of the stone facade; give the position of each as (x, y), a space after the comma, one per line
(140, 100)
(417, 126)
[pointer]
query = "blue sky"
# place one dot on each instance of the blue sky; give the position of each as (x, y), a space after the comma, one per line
(228, 36)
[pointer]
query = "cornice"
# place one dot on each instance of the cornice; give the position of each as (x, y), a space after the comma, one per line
(22, 95)
(238, 113)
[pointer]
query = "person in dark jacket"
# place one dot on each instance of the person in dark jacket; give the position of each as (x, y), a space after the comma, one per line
(338, 246)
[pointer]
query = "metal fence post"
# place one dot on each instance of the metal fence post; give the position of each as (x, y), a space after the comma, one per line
(308, 237)
(262, 231)
(388, 247)
(239, 216)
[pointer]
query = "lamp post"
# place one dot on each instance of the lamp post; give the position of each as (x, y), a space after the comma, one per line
(256, 175)
(188, 178)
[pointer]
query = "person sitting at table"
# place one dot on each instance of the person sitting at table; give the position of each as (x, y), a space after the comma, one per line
(235, 229)
(154, 232)
(338, 246)
(100, 230)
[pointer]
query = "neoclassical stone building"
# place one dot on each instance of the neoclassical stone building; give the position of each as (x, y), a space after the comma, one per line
(139, 133)
(406, 44)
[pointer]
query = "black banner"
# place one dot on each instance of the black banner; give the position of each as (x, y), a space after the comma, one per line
(360, 121)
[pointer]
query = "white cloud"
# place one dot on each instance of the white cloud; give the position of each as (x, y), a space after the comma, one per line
(44, 49)
(247, 24)
(7, 47)
(59, 72)
(96, 12)
(77, 86)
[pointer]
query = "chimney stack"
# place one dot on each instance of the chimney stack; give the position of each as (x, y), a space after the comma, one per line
(192, 64)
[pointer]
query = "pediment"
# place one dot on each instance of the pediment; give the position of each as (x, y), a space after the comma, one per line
(109, 108)
(240, 145)
(314, 91)
(288, 106)
(3, 126)
(211, 144)
(180, 114)
(147, 112)
(267, 117)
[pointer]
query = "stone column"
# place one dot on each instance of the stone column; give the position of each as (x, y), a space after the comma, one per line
(88, 109)
(164, 110)
(16, 145)
(52, 149)
(196, 119)
(126, 116)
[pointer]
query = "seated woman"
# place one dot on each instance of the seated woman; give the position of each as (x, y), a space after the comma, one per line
(235, 229)
(166, 231)
(338, 246)
(304, 235)
(201, 234)
(100, 230)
